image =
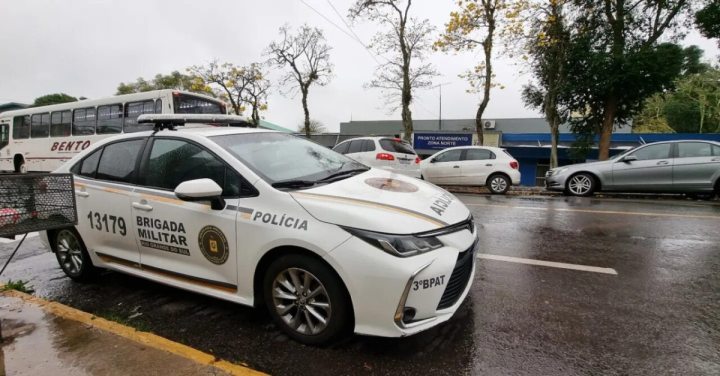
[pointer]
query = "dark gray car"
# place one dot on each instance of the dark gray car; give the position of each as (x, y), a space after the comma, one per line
(691, 166)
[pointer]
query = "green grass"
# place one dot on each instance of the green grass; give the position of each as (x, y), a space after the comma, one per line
(18, 285)
(136, 324)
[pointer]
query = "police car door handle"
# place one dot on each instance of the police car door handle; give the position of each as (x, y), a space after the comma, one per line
(456, 166)
(142, 207)
(82, 194)
(662, 163)
(488, 164)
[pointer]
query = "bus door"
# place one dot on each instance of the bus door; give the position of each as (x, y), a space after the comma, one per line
(4, 135)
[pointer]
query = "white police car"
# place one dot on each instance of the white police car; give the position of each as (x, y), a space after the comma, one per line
(260, 217)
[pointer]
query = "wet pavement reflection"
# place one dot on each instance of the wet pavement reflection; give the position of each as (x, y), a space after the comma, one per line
(659, 315)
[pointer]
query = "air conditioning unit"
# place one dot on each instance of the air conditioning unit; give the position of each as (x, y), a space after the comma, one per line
(489, 124)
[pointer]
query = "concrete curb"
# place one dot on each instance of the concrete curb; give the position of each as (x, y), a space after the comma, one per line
(144, 338)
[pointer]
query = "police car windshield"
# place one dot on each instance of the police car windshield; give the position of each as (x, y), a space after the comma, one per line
(280, 157)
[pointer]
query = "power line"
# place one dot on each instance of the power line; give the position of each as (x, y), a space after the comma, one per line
(357, 38)
(352, 36)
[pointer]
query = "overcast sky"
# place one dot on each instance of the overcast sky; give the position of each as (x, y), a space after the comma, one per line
(85, 48)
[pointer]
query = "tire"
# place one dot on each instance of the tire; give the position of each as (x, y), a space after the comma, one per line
(298, 315)
(72, 255)
(498, 184)
(582, 184)
(20, 166)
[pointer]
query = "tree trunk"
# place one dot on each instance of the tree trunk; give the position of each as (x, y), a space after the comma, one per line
(606, 128)
(554, 135)
(406, 95)
(487, 45)
(306, 110)
(702, 116)
(255, 116)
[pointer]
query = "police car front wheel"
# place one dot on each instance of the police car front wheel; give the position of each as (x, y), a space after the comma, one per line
(306, 299)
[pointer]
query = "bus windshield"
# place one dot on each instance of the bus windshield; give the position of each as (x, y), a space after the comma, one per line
(190, 104)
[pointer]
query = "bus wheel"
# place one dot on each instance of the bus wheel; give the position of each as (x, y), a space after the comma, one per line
(20, 166)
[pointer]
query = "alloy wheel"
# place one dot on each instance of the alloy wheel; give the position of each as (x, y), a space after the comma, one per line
(498, 184)
(69, 252)
(580, 185)
(302, 301)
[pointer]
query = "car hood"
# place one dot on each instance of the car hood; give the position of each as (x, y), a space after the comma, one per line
(382, 201)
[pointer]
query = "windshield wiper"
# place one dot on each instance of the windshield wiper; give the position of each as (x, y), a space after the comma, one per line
(354, 171)
(293, 183)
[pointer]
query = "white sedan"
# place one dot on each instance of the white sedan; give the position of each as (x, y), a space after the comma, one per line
(472, 165)
(256, 217)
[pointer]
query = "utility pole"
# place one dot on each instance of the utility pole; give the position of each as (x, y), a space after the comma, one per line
(439, 86)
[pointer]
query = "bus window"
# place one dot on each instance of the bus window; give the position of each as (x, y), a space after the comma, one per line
(21, 127)
(158, 106)
(188, 104)
(60, 124)
(4, 135)
(110, 119)
(83, 121)
(40, 125)
(135, 109)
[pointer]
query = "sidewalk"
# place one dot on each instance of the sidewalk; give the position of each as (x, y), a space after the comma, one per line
(45, 338)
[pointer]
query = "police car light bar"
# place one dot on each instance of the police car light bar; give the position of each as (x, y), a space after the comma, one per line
(169, 121)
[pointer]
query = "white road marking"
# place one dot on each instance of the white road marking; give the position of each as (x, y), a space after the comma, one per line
(552, 264)
(17, 238)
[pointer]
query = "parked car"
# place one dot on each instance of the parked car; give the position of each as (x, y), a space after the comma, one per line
(663, 167)
(472, 165)
(257, 217)
(392, 154)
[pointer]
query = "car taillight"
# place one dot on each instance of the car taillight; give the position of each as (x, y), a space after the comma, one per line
(385, 157)
(514, 165)
(417, 160)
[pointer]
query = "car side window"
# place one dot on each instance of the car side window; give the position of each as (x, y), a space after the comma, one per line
(716, 151)
(694, 149)
(369, 145)
(88, 165)
(172, 162)
(356, 146)
(342, 148)
(658, 151)
(449, 156)
(117, 162)
(478, 154)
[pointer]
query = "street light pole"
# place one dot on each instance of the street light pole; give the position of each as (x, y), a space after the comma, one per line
(439, 86)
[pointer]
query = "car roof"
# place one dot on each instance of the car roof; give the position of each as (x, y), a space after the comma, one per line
(376, 138)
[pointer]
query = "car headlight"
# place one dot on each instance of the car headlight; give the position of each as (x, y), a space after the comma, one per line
(558, 171)
(397, 245)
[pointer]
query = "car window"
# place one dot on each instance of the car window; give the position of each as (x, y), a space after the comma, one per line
(117, 162)
(175, 161)
(342, 148)
(356, 146)
(396, 146)
(369, 145)
(694, 149)
(88, 166)
(658, 151)
(449, 156)
(478, 154)
(716, 151)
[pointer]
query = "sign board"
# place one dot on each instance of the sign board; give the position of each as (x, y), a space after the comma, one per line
(439, 141)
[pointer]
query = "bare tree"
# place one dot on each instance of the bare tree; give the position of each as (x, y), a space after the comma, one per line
(315, 127)
(253, 86)
(308, 57)
(406, 39)
(218, 79)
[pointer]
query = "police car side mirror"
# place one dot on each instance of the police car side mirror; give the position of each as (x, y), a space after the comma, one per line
(201, 190)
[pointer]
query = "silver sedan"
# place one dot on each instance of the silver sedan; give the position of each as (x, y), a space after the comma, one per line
(691, 166)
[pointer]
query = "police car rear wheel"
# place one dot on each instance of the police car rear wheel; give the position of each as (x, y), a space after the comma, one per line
(305, 299)
(72, 255)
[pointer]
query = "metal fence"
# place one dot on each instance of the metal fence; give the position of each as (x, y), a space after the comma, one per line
(35, 202)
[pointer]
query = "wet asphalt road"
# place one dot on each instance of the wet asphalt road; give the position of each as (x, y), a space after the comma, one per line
(659, 315)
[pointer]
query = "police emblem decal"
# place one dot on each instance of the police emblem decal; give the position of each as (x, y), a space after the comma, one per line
(213, 245)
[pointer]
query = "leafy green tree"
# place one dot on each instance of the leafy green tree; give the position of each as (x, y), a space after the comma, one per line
(617, 61)
(174, 80)
(547, 49)
(703, 90)
(651, 118)
(49, 99)
(692, 61)
(707, 20)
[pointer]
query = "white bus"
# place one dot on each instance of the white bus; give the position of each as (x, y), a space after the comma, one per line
(43, 138)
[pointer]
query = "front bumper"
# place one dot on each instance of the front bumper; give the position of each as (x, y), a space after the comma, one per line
(396, 297)
(555, 182)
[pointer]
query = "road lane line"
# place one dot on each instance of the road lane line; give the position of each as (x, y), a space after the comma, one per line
(649, 214)
(552, 264)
